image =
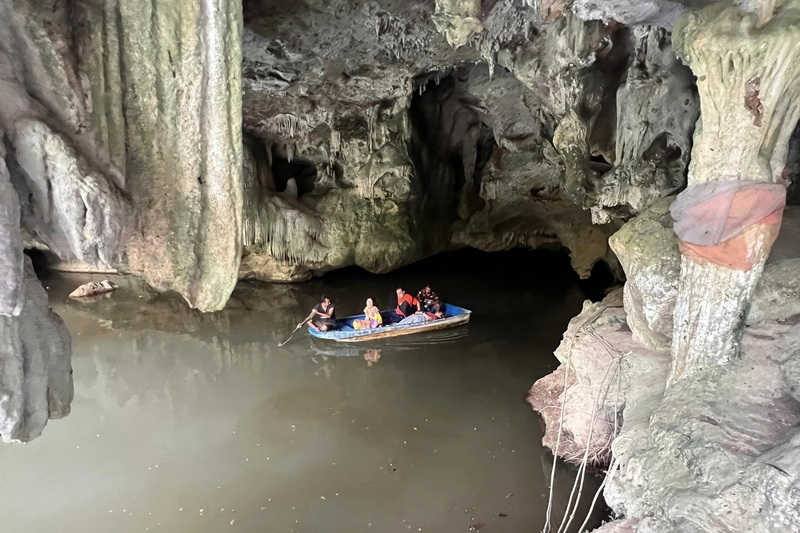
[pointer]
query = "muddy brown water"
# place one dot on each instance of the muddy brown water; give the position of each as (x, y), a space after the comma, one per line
(184, 422)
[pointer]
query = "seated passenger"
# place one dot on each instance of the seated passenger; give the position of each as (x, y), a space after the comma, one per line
(407, 305)
(431, 302)
(323, 316)
(372, 317)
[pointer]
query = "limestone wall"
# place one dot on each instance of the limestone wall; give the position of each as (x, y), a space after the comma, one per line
(124, 136)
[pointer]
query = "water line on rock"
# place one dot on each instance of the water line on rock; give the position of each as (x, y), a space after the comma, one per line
(548, 515)
(546, 528)
(580, 476)
(614, 466)
(602, 392)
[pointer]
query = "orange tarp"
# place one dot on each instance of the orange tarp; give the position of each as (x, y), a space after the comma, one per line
(728, 223)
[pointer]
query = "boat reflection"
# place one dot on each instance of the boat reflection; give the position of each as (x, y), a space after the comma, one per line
(416, 342)
(372, 356)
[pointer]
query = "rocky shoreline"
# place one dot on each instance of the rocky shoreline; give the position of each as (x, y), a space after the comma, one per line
(717, 451)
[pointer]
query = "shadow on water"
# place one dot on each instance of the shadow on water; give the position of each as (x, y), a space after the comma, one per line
(186, 421)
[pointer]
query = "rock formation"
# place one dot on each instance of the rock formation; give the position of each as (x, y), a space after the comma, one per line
(195, 143)
(418, 148)
(748, 77)
(121, 129)
(35, 367)
(652, 286)
(123, 139)
(704, 352)
(374, 146)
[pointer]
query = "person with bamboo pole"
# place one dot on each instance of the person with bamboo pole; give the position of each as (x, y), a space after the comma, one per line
(326, 316)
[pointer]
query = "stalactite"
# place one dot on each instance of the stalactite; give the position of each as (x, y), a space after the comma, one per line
(288, 233)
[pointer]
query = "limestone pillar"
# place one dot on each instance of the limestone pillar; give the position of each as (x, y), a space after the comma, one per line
(181, 96)
(748, 78)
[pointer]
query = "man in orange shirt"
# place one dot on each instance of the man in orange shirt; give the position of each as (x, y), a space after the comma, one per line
(407, 305)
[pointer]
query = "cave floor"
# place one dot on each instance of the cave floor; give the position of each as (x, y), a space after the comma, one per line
(199, 423)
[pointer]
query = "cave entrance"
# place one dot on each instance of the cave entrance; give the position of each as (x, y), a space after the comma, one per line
(451, 145)
(476, 279)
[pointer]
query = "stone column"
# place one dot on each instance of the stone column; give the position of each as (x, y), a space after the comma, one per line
(11, 263)
(181, 96)
(748, 79)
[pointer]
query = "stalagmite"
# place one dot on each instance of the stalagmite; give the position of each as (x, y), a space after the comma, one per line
(748, 78)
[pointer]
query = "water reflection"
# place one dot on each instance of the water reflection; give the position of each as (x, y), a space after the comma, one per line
(372, 356)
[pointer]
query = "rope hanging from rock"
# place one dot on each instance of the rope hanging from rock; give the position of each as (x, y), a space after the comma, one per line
(728, 223)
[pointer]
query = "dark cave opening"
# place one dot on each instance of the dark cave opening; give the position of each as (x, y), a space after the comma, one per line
(793, 168)
(301, 171)
(610, 67)
(601, 279)
(451, 145)
(600, 164)
(505, 272)
(40, 262)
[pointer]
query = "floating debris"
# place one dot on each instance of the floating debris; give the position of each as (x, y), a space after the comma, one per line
(93, 288)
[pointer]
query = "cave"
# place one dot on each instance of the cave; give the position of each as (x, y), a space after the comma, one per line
(303, 172)
(451, 145)
(220, 221)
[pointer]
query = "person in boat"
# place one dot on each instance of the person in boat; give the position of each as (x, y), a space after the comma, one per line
(372, 317)
(431, 303)
(323, 316)
(407, 305)
(417, 318)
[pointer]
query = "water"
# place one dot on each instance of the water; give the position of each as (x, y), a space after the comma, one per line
(184, 422)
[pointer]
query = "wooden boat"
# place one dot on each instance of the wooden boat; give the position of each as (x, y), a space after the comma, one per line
(454, 316)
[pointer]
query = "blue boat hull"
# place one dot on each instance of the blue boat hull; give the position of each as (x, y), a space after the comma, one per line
(454, 316)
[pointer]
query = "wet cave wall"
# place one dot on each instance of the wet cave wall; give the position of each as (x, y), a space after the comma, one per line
(422, 146)
(121, 128)
(369, 134)
(682, 385)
